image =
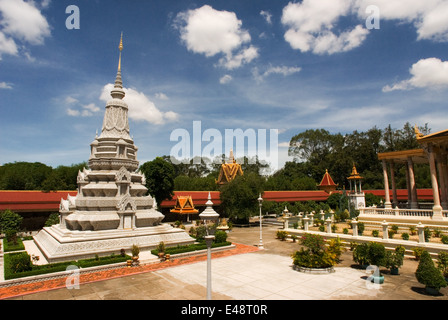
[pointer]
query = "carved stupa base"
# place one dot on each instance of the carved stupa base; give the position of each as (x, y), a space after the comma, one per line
(58, 244)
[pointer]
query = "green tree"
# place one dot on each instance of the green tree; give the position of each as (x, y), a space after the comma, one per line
(159, 175)
(10, 221)
(239, 197)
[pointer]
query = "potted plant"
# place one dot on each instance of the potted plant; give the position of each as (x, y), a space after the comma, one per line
(135, 250)
(361, 228)
(375, 233)
(394, 260)
(161, 250)
(429, 275)
(417, 253)
(405, 236)
(376, 256)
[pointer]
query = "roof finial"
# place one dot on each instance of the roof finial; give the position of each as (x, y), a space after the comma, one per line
(120, 47)
(118, 92)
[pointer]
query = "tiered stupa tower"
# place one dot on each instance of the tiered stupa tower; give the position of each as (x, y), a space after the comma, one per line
(111, 210)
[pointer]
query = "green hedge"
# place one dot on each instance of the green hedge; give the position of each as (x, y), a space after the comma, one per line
(60, 266)
(8, 246)
(191, 247)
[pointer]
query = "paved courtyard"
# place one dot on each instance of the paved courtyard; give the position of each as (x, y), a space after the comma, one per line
(259, 275)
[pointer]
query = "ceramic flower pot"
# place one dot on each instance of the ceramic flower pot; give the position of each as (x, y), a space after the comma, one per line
(394, 271)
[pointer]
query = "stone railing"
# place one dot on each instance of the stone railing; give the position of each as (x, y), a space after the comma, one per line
(427, 213)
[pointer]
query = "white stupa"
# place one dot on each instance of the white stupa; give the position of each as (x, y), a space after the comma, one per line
(111, 210)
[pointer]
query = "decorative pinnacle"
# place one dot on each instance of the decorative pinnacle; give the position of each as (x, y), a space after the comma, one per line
(117, 92)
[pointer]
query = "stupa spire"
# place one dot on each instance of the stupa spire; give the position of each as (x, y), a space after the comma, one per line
(117, 92)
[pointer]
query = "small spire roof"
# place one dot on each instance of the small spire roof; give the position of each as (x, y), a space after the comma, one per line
(354, 175)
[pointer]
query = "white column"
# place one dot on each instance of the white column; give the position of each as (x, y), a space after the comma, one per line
(394, 187)
(387, 203)
(414, 202)
(437, 209)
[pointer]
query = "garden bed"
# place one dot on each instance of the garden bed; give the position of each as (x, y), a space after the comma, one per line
(57, 267)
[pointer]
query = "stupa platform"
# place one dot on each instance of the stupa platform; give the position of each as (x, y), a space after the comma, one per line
(59, 244)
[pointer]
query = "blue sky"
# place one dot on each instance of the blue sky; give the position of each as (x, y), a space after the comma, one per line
(251, 64)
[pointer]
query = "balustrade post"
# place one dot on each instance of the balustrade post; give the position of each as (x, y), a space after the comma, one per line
(305, 223)
(328, 221)
(385, 230)
(355, 227)
(421, 232)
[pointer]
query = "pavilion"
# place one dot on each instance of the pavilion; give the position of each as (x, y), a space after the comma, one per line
(327, 184)
(433, 151)
(184, 205)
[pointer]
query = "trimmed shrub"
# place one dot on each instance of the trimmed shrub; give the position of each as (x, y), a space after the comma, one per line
(405, 236)
(444, 239)
(220, 236)
(428, 274)
(360, 254)
(375, 233)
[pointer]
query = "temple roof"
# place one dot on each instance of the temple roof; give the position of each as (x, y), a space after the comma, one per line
(184, 205)
(229, 170)
(327, 180)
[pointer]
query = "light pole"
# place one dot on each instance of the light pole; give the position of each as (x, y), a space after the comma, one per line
(260, 245)
(209, 216)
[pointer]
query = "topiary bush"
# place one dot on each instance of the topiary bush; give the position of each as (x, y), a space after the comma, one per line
(376, 254)
(220, 236)
(427, 274)
(360, 254)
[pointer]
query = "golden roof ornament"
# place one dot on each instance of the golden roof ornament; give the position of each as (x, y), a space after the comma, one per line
(418, 134)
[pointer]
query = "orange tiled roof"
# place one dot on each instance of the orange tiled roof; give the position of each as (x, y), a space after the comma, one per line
(184, 205)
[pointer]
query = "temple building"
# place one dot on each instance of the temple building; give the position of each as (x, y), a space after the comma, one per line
(229, 170)
(111, 210)
(184, 205)
(356, 196)
(327, 184)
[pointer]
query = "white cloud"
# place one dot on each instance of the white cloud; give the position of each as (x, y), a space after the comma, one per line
(311, 23)
(430, 17)
(91, 107)
(161, 96)
(267, 16)
(282, 70)
(426, 73)
(7, 45)
(21, 21)
(225, 79)
(140, 107)
(24, 21)
(70, 100)
(73, 112)
(210, 32)
(4, 85)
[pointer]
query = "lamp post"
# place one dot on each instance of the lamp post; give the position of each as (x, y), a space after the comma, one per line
(209, 216)
(260, 201)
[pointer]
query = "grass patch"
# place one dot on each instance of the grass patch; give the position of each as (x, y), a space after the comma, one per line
(60, 266)
(190, 247)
